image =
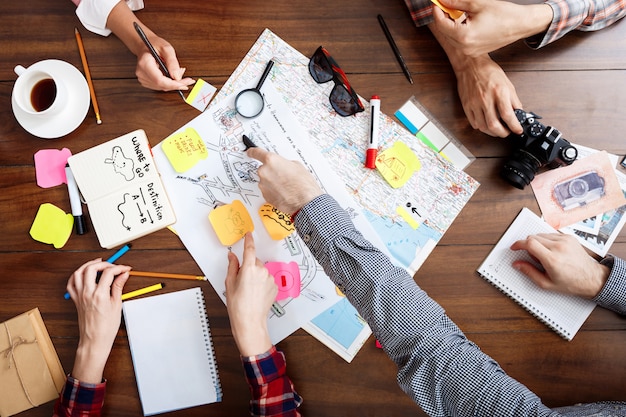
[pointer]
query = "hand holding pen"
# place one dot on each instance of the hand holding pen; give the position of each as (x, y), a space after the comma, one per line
(152, 67)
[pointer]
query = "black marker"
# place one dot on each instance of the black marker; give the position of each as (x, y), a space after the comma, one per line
(249, 144)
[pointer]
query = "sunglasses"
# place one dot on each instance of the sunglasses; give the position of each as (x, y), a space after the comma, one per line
(343, 98)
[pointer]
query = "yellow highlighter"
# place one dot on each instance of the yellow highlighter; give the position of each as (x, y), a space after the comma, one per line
(142, 291)
(454, 14)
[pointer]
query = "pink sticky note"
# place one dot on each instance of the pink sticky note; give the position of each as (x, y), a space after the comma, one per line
(50, 167)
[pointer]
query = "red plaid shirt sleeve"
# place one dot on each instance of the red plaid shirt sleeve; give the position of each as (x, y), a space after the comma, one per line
(80, 399)
(273, 393)
(421, 11)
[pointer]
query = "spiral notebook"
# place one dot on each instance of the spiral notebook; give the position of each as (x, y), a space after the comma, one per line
(564, 314)
(172, 351)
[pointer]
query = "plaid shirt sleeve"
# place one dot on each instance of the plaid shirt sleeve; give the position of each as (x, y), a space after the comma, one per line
(421, 11)
(273, 393)
(583, 15)
(80, 399)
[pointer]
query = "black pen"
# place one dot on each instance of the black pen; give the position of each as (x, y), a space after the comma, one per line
(154, 53)
(395, 49)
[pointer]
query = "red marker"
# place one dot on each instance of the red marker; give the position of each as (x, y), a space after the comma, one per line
(372, 146)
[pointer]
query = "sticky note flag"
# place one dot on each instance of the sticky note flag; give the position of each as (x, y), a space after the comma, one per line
(454, 14)
(231, 222)
(52, 225)
(50, 167)
(412, 214)
(397, 164)
(200, 95)
(184, 149)
(277, 223)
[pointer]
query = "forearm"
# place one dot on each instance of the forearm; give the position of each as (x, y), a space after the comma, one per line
(120, 22)
(439, 368)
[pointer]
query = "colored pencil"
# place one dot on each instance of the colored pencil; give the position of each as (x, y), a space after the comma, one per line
(92, 92)
(142, 291)
(166, 275)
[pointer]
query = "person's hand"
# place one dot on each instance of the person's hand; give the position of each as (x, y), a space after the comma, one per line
(490, 24)
(287, 185)
(149, 73)
(567, 267)
(250, 292)
(488, 96)
(99, 308)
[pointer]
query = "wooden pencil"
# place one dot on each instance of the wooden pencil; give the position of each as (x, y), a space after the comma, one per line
(92, 92)
(166, 275)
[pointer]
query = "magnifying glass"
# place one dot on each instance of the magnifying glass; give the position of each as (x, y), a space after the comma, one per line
(249, 103)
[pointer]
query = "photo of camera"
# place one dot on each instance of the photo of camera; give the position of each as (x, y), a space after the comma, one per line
(537, 146)
(580, 190)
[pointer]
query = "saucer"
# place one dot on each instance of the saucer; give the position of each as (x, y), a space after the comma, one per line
(74, 112)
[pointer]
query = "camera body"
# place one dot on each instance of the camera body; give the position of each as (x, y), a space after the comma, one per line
(537, 146)
(580, 190)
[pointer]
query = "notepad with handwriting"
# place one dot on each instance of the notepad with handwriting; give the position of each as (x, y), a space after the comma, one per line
(172, 351)
(564, 314)
(122, 187)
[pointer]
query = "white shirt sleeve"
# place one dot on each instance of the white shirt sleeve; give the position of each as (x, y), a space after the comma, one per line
(93, 14)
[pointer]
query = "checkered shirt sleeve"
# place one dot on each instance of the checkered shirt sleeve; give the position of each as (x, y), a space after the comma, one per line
(80, 399)
(438, 367)
(273, 393)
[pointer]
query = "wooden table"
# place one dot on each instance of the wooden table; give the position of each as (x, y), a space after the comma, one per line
(578, 84)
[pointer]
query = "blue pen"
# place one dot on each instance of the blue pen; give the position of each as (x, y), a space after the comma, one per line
(112, 259)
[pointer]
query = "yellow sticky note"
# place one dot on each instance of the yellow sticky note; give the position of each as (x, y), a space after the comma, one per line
(277, 223)
(184, 149)
(231, 222)
(397, 164)
(52, 225)
(454, 14)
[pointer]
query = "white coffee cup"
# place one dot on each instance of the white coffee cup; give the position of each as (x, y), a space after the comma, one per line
(38, 92)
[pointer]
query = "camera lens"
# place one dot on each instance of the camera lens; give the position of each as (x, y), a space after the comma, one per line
(520, 170)
(578, 187)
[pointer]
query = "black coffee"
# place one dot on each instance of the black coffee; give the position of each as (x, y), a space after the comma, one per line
(43, 94)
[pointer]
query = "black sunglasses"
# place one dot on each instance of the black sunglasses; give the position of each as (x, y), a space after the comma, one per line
(343, 98)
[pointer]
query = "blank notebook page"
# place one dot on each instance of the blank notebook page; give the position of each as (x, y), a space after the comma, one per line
(565, 314)
(170, 343)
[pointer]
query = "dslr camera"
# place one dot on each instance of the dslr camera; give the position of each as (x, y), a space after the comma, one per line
(537, 146)
(580, 190)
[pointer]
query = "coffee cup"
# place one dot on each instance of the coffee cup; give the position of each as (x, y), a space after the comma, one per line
(38, 92)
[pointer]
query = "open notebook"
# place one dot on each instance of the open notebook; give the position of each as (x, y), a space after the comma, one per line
(172, 351)
(565, 314)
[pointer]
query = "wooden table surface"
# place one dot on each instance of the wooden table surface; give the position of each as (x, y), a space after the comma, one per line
(578, 84)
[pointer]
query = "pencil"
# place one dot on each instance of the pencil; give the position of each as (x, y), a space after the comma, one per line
(395, 49)
(142, 291)
(166, 275)
(92, 92)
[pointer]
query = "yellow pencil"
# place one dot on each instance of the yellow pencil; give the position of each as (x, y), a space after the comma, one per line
(166, 275)
(92, 92)
(142, 291)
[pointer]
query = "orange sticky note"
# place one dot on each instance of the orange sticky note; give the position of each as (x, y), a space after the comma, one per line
(184, 149)
(277, 223)
(52, 225)
(397, 164)
(231, 222)
(454, 14)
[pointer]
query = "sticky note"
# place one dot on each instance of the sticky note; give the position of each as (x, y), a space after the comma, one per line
(277, 223)
(231, 222)
(52, 225)
(397, 164)
(454, 14)
(184, 149)
(200, 95)
(412, 214)
(50, 167)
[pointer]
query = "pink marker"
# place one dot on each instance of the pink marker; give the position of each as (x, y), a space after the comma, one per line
(372, 146)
